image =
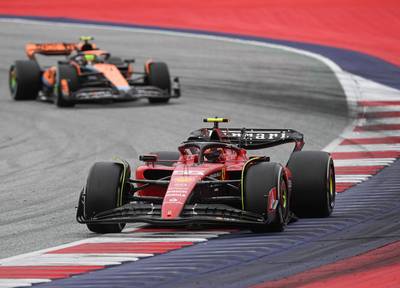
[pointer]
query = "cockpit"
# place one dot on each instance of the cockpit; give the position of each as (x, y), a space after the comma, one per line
(209, 152)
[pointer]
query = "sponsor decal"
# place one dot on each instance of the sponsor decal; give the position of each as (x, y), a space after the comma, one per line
(188, 172)
(177, 190)
(95, 95)
(183, 179)
(181, 185)
(272, 200)
(258, 136)
(289, 182)
(174, 202)
(176, 194)
(216, 174)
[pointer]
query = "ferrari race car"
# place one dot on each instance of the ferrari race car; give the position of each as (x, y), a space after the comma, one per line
(211, 180)
(88, 74)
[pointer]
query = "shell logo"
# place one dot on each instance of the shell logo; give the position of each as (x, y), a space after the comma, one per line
(183, 179)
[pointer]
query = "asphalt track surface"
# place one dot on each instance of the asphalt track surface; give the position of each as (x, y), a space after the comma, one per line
(45, 152)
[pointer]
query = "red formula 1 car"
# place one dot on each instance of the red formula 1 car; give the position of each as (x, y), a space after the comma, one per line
(88, 74)
(212, 180)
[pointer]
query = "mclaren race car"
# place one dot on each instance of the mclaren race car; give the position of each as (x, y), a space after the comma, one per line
(212, 180)
(88, 74)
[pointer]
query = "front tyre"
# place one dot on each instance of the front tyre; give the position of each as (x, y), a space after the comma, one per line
(158, 76)
(67, 83)
(24, 80)
(104, 191)
(266, 193)
(313, 180)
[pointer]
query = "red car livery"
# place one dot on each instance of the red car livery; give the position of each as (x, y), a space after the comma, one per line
(212, 180)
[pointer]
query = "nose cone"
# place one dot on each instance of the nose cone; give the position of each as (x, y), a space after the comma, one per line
(176, 196)
(113, 75)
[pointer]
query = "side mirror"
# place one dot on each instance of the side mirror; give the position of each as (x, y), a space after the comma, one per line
(148, 158)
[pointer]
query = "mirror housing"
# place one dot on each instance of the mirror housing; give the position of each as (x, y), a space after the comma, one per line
(148, 158)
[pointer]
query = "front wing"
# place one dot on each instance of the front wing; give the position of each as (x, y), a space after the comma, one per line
(107, 92)
(135, 93)
(191, 214)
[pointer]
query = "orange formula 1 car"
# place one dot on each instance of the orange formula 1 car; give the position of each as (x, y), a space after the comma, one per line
(88, 74)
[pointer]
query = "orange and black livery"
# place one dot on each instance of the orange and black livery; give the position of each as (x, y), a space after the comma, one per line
(88, 74)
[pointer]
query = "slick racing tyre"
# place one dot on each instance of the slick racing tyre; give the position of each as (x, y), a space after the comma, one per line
(313, 182)
(104, 191)
(24, 80)
(166, 158)
(260, 181)
(158, 76)
(69, 74)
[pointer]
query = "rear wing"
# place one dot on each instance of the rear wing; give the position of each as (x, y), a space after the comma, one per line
(251, 138)
(49, 49)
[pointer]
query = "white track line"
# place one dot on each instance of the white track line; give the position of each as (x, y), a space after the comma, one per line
(378, 121)
(158, 238)
(383, 108)
(77, 259)
(372, 91)
(368, 147)
(351, 178)
(368, 134)
(364, 162)
(6, 283)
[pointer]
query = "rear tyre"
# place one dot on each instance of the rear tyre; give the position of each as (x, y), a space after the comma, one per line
(260, 180)
(104, 191)
(70, 74)
(167, 155)
(24, 80)
(313, 182)
(158, 76)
